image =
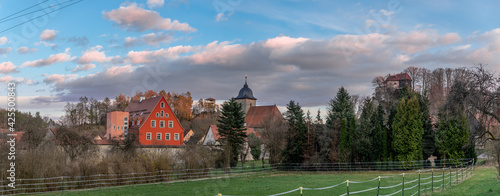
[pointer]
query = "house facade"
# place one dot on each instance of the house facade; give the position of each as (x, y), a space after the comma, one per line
(153, 122)
(117, 125)
(398, 81)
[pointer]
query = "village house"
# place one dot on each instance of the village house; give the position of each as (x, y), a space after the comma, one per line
(398, 81)
(151, 121)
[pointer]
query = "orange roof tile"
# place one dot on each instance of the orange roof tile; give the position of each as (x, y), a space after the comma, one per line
(256, 115)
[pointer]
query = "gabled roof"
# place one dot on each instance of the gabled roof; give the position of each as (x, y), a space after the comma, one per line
(256, 115)
(140, 110)
(215, 131)
(398, 77)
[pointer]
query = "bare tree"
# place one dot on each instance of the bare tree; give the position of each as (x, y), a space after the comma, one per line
(415, 75)
(273, 138)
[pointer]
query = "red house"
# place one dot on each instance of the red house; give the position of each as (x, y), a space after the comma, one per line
(154, 123)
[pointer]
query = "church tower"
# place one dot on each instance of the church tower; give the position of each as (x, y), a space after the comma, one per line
(245, 97)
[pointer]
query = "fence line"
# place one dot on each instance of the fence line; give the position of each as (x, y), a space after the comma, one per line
(464, 168)
(62, 183)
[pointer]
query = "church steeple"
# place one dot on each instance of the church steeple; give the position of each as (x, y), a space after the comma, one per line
(245, 92)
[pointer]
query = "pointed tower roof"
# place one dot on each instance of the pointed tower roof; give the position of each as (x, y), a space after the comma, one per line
(245, 92)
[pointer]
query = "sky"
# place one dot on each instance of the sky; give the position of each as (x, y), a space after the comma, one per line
(59, 50)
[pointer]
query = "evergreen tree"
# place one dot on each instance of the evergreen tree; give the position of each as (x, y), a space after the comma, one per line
(296, 136)
(344, 147)
(232, 131)
(364, 134)
(341, 107)
(452, 136)
(380, 134)
(408, 131)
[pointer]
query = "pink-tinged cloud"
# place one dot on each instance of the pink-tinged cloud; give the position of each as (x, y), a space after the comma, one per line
(3, 40)
(84, 67)
(215, 52)
(59, 78)
(94, 54)
(48, 35)
(7, 79)
(5, 50)
(155, 3)
(153, 39)
(26, 50)
(420, 40)
(284, 42)
(7, 67)
(118, 70)
(52, 59)
(132, 17)
(141, 57)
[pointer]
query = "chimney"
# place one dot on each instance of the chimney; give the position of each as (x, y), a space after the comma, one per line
(153, 96)
(142, 99)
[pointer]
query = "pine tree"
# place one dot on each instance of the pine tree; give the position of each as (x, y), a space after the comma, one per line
(408, 131)
(296, 136)
(342, 107)
(452, 136)
(232, 131)
(344, 147)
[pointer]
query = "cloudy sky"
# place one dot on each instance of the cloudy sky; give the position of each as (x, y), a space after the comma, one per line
(59, 50)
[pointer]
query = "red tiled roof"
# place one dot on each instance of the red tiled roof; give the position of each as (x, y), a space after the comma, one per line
(140, 110)
(256, 115)
(399, 77)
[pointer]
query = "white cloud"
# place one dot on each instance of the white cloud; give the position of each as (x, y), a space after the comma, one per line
(7, 79)
(3, 40)
(54, 58)
(141, 57)
(26, 50)
(59, 78)
(84, 67)
(219, 17)
(132, 17)
(118, 70)
(48, 35)
(7, 67)
(94, 54)
(153, 39)
(155, 3)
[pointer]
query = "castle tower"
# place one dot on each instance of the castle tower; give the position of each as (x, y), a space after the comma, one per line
(245, 97)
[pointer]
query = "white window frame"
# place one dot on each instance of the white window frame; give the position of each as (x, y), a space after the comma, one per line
(170, 124)
(157, 115)
(167, 136)
(162, 113)
(166, 114)
(148, 135)
(153, 123)
(158, 135)
(162, 124)
(176, 136)
(162, 105)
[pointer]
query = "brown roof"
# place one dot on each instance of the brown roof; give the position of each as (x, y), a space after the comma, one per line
(256, 115)
(215, 131)
(140, 110)
(399, 77)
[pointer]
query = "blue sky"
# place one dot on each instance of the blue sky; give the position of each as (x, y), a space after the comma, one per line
(291, 50)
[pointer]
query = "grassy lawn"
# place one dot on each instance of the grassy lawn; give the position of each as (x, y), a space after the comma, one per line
(484, 182)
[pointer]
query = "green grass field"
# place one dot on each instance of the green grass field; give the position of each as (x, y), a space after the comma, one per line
(483, 182)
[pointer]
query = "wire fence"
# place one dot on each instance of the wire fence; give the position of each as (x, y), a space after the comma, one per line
(411, 182)
(428, 174)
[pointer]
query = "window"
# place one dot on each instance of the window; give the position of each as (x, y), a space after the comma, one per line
(153, 123)
(170, 124)
(162, 124)
(161, 113)
(114, 127)
(157, 115)
(167, 136)
(158, 136)
(162, 105)
(125, 119)
(148, 136)
(166, 115)
(122, 128)
(176, 136)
